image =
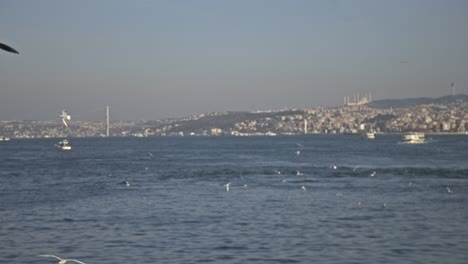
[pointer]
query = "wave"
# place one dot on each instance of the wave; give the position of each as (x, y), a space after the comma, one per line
(312, 171)
(455, 173)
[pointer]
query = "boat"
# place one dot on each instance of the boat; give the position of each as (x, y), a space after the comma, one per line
(369, 135)
(413, 138)
(4, 138)
(64, 145)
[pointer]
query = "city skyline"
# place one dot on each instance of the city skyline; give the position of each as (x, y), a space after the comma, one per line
(447, 115)
(162, 59)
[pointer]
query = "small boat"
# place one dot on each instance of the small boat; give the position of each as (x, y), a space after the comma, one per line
(64, 145)
(413, 138)
(4, 138)
(369, 135)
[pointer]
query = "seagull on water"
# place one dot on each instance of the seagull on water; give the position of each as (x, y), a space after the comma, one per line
(61, 260)
(126, 183)
(304, 188)
(373, 174)
(448, 190)
(298, 173)
(227, 185)
(298, 152)
(334, 167)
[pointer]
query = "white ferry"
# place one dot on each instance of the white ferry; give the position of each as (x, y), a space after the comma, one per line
(64, 145)
(413, 138)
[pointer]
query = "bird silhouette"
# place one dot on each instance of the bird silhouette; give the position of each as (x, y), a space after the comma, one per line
(8, 48)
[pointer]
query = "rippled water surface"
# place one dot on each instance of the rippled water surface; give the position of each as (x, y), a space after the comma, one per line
(385, 203)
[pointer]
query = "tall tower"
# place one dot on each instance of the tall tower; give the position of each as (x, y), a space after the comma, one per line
(107, 121)
(306, 131)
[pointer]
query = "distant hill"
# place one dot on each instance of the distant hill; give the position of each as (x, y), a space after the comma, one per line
(410, 102)
(226, 120)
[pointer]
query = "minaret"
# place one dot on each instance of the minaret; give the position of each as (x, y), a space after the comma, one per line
(107, 121)
(306, 131)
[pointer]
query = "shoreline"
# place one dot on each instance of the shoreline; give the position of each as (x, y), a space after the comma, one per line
(279, 135)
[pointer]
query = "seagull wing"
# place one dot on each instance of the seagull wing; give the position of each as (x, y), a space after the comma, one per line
(8, 48)
(51, 256)
(77, 261)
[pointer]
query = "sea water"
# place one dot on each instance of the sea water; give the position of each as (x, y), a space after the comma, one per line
(385, 202)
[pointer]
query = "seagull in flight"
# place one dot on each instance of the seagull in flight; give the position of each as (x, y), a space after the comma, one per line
(65, 116)
(8, 48)
(62, 261)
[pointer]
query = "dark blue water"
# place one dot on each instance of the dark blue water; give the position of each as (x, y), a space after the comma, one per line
(176, 209)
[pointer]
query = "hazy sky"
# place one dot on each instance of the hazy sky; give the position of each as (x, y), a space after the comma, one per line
(157, 59)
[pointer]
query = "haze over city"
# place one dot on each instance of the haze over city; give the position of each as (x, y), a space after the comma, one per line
(160, 59)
